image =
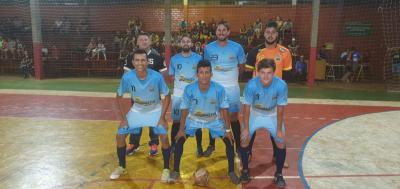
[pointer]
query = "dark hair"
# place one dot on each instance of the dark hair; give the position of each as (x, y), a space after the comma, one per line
(143, 33)
(224, 23)
(185, 35)
(139, 51)
(266, 63)
(272, 24)
(203, 64)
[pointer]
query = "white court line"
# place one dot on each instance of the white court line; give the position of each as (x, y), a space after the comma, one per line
(272, 177)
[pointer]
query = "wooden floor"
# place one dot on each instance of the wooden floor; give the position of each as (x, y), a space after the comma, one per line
(49, 141)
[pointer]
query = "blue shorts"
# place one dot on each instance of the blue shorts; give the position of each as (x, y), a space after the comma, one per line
(233, 94)
(175, 108)
(268, 122)
(138, 120)
(216, 127)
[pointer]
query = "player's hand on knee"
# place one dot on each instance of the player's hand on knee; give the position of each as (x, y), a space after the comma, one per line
(163, 122)
(123, 123)
(280, 139)
(180, 134)
(228, 135)
(244, 137)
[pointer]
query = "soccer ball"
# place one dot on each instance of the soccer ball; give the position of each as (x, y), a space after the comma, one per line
(201, 177)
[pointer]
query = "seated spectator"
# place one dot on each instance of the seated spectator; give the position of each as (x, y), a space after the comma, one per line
(101, 49)
(5, 49)
(20, 49)
(183, 26)
(353, 65)
(300, 69)
(294, 48)
(26, 65)
(258, 28)
(54, 52)
(1, 46)
(12, 47)
(91, 49)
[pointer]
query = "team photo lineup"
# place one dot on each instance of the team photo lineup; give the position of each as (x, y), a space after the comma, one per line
(206, 95)
(160, 94)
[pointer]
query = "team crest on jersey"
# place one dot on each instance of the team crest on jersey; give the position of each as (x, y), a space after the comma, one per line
(214, 57)
(282, 49)
(179, 66)
(231, 57)
(278, 58)
(213, 101)
(151, 88)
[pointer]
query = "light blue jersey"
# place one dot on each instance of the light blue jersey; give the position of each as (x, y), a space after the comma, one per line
(184, 71)
(264, 102)
(225, 61)
(204, 107)
(146, 110)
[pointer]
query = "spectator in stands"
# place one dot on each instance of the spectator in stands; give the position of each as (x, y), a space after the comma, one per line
(91, 49)
(353, 60)
(183, 26)
(249, 35)
(5, 49)
(54, 52)
(258, 28)
(300, 67)
(58, 24)
(82, 27)
(101, 49)
(294, 48)
(20, 48)
(131, 24)
(279, 21)
(322, 54)
(26, 65)
(12, 47)
(1, 46)
(116, 42)
(137, 28)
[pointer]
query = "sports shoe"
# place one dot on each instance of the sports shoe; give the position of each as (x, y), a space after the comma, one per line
(233, 177)
(285, 165)
(132, 149)
(199, 153)
(117, 173)
(165, 176)
(153, 150)
(173, 177)
(209, 151)
(245, 177)
(279, 181)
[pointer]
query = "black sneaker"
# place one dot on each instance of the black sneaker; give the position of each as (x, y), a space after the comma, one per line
(279, 181)
(209, 151)
(233, 177)
(132, 149)
(200, 153)
(245, 177)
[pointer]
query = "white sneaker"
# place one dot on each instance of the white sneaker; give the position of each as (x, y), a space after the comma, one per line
(165, 176)
(117, 173)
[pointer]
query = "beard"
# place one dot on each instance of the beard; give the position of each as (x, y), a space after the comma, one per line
(222, 39)
(271, 42)
(186, 49)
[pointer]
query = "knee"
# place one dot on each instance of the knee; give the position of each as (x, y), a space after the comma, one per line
(164, 141)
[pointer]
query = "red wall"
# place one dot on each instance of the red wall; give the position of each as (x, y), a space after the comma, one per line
(331, 22)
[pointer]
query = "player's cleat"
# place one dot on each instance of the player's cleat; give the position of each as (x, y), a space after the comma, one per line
(132, 149)
(173, 177)
(117, 173)
(233, 177)
(279, 181)
(199, 153)
(285, 165)
(165, 176)
(209, 151)
(153, 150)
(245, 177)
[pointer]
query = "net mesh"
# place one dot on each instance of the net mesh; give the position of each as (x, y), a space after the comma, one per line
(74, 31)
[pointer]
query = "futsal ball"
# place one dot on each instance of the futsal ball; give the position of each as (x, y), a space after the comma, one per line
(200, 177)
